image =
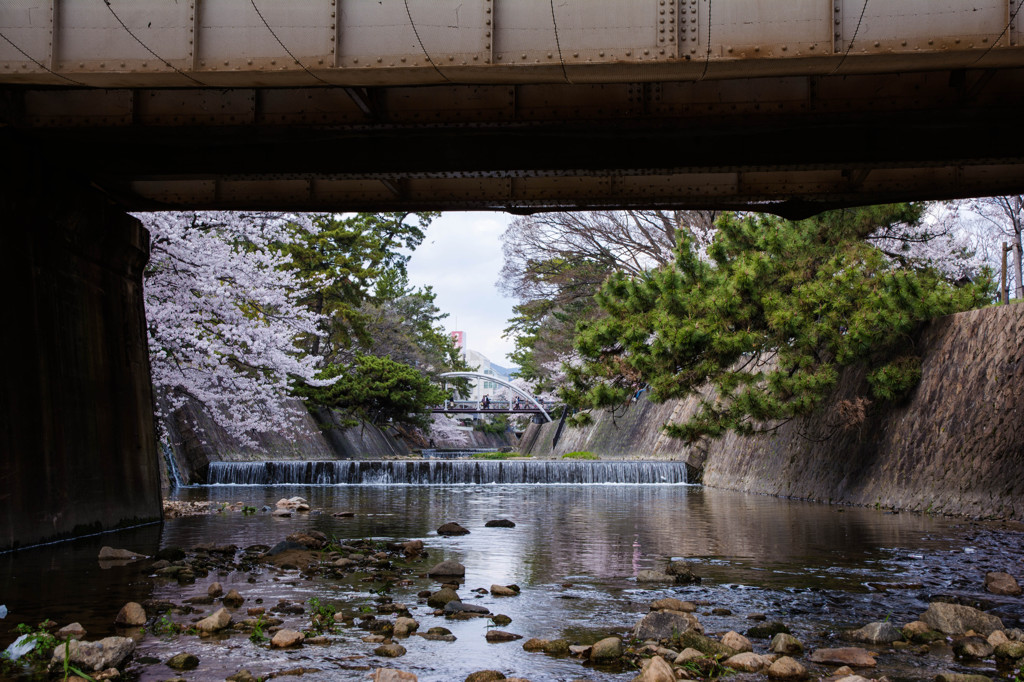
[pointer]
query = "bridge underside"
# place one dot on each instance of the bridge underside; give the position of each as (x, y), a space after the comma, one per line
(793, 145)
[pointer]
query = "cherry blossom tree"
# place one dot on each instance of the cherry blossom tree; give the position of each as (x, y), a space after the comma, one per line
(223, 317)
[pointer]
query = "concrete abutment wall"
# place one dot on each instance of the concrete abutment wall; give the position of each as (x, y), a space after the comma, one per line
(955, 446)
(78, 445)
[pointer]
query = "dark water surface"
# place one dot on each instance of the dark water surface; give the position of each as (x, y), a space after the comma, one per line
(574, 552)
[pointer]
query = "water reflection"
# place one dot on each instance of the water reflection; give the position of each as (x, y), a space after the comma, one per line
(574, 551)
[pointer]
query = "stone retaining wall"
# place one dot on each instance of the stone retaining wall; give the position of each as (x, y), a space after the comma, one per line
(955, 446)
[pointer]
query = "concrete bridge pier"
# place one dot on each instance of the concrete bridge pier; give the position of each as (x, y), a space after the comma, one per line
(78, 443)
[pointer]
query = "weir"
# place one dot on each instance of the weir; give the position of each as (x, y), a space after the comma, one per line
(444, 472)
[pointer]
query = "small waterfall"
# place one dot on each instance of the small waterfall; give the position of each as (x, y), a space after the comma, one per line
(444, 472)
(172, 467)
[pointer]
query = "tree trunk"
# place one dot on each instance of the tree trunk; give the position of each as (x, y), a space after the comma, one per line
(1017, 216)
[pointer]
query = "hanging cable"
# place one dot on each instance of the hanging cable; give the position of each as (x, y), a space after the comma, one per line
(420, 41)
(42, 66)
(707, 56)
(558, 44)
(855, 32)
(158, 57)
(1013, 17)
(285, 47)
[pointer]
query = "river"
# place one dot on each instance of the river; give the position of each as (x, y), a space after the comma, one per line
(574, 552)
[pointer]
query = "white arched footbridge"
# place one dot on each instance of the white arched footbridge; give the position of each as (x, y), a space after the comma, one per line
(490, 377)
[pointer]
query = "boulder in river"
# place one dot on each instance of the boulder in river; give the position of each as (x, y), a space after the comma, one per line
(972, 648)
(655, 669)
(232, 599)
(607, 649)
(673, 604)
(767, 630)
(653, 577)
(660, 625)
(495, 636)
(218, 620)
(440, 598)
(390, 650)
(735, 640)
(183, 661)
(786, 668)
(851, 656)
(405, 626)
(1002, 583)
(72, 631)
(485, 676)
(1007, 652)
(877, 633)
(747, 662)
(503, 591)
(392, 675)
(447, 569)
(456, 606)
(131, 615)
(956, 619)
(500, 523)
(109, 652)
(112, 554)
(786, 644)
(452, 528)
(682, 573)
(285, 638)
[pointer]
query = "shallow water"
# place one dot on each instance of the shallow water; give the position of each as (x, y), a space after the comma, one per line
(574, 552)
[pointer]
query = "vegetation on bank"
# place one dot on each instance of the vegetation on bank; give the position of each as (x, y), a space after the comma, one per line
(581, 454)
(500, 455)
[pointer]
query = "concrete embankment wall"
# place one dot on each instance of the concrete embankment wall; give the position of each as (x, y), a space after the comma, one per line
(955, 446)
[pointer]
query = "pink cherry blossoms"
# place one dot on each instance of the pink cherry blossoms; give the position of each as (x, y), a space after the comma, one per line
(223, 318)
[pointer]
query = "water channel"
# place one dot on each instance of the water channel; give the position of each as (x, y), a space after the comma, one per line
(574, 552)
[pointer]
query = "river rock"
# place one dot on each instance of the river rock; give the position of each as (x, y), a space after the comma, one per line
(412, 548)
(653, 577)
(673, 604)
(232, 599)
(767, 630)
(655, 670)
(607, 649)
(661, 625)
(485, 676)
(961, 677)
(71, 631)
(310, 539)
(686, 655)
(534, 644)
(556, 647)
(972, 648)
(441, 597)
(503, 591)
(956, 619)
(1010, 651)
(495, 636)
(499, 523)
(405, 626)
(281, 512)
(748, 662)
(456, 606)
(218, 620)
(183, 661)
(786, 668)
(131, 615)
(112, 554)
(682, 573)
(1002, 583)
(997, 638)
(735, 640)
(109, 652)
(242, 675)
(390, 650)
(286, 638)
(709, 647)
(447, 568)
(786, 644)
(215, 590)
(452, 528)
(392, 675)
(852, 656)
(919, 632)
(876, 633)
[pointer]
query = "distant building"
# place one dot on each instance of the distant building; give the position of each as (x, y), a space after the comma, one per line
(478, 362)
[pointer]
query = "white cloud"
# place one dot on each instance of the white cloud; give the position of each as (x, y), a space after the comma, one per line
(461, 258)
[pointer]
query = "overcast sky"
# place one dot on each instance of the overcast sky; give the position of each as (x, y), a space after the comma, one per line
(461, 259)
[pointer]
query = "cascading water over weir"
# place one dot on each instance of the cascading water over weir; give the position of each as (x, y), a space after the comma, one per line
(443, 472)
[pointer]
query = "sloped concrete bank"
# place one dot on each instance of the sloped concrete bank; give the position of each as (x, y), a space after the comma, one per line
(956, 446)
